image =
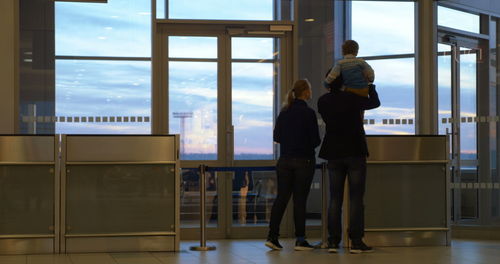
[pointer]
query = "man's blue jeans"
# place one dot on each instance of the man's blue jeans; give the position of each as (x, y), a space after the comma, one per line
(355, 169)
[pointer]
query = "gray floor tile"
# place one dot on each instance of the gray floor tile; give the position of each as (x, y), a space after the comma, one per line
(48, 259)
(254, 251)
(12, 259)
(94, 258)
(135, 258)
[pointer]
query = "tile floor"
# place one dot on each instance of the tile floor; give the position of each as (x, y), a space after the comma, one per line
(254, 251)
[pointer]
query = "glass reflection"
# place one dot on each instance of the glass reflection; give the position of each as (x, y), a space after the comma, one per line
(190, 199)
(252, 107)
(395, 80)
(468, 84)
(193, 108)
(103, 88)
(253, 195)
(444, 88)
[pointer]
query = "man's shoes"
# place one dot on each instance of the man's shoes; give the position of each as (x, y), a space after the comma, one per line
(273, 243)
(303, 246)
(333, 247)
(360, 247)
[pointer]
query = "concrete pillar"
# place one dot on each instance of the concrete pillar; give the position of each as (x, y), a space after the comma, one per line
(9, 66)
(426, 103)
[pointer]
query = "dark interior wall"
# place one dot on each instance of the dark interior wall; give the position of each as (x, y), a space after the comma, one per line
(316, 43)
(37, 62)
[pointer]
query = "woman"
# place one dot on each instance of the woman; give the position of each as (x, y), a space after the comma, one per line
(297, 133)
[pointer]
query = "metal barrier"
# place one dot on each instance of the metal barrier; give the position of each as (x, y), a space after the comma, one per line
(119, 193)
(398, 211)
(29, 188)
(89, 193)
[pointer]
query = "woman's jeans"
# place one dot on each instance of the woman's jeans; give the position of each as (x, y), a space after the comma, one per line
(295, 176)
(355, 169)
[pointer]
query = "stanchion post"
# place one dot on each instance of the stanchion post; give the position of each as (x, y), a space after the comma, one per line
(203, 240)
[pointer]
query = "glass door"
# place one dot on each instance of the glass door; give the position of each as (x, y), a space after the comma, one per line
(193, 73)
(222, 89)
(255, 80)
(457, 108)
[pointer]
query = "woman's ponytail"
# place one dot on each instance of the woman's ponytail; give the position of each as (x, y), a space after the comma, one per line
(289, 98)
(299, 87)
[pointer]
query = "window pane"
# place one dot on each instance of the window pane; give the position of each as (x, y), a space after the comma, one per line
(252, 90)
(193, 108)
(221, 9)
(161, 12)
(444, 88)
(101, 89)
(253, 48)
(115, 28)
(253, 195)
(396, 88)
(370, 27)
(468, 83)
(192, 47)
(190, 199)
(457, 19)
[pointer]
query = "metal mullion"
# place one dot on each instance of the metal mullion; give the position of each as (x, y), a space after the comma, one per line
(57, 195)
(157, 78)
(119, 162)
(463, 52)
(455, 73)
(482, 129)
(122, 234)
(228, 137)
(107, 58)
(462, 33)
(385, 57)
(192, 59)
(164, 87)
(255, 60)
(223, 22)
(62, 202)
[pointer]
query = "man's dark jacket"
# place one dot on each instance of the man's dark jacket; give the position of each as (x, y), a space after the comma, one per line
(342, 114)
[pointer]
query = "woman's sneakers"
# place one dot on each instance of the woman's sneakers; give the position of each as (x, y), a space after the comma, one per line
(360, 247)
(302, 245)
(273, 243)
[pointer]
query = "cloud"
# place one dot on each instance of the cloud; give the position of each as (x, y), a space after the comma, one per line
(383, 28)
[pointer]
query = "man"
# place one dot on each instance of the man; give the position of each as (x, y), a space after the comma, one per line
(345, 148)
